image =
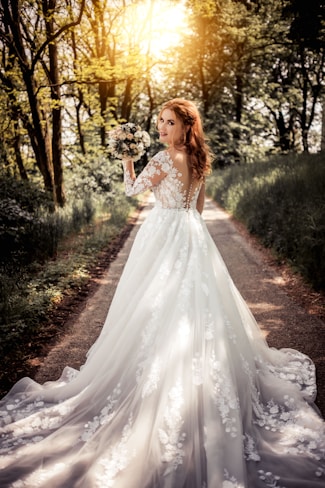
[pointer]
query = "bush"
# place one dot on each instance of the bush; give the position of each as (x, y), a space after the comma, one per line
(29, 291)
(21, 205)
(31, 233)
(47, 254)
(30, 229)
(282, 201)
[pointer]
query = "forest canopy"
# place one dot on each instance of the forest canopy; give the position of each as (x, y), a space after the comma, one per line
(72, 69)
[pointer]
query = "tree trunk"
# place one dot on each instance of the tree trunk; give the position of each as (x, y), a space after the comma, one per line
(19, 159)
(56, 129)
(238, 114)
(303, 115)
(79, 125)
(322, 144)
(13, 20)
(151, 106)
(79, 98)
(42, 156)
(304, 137)
(284, 133)
(49, 8)
(106, 91)
(103, 94)
(127, 102)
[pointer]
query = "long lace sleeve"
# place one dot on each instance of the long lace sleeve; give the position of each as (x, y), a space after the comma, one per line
(152, 174)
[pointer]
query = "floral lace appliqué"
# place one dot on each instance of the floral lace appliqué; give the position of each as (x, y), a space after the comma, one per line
(208, 326)
(116, 459)
(171, 437)
(29, 427)
(163, 178)
(146, 180)
(224, 396)
(271, 416)
(153, 378)
(104, 416)
(270, 480)
(230, 330)
(286, 417)
(250, 451)
(299, 370)
(230, 481)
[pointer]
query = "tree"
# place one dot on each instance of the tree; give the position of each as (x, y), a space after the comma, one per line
(10, 131)
(219, 56)
(307, 34)
(323, 123)
(294, 70)
(30, 33)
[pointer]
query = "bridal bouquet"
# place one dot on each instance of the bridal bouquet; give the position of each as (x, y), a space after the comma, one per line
(128, 140)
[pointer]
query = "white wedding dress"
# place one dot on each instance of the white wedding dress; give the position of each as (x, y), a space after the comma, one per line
(180, 390)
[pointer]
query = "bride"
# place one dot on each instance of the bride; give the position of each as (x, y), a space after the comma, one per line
(180, 390)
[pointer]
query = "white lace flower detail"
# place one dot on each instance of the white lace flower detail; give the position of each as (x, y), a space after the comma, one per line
(230, 481)
(230, 330)
(250, 451)
(224, 396)
(105, 415)
(161, 176)
(153, 378)
(171, 436)
(117, 458)
(270, 480)
(208, 326)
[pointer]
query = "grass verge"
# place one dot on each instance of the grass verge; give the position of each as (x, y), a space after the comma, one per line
(282, 201)
(36, 291)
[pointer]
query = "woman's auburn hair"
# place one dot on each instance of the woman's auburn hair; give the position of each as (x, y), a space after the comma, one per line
(199, 152)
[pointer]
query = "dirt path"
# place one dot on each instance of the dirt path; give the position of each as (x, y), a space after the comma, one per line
(284, 322)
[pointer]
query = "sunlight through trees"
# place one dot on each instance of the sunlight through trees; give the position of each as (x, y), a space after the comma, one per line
(72, 69)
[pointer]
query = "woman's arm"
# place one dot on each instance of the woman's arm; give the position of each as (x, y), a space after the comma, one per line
(201, 198)
(148, 178)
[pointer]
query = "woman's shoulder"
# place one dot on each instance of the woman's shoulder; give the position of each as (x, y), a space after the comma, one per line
(161, 155)
(162, 158)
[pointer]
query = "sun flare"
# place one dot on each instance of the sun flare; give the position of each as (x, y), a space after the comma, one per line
(161, 23)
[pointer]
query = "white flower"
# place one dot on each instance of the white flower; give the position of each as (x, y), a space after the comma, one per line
(146, 139)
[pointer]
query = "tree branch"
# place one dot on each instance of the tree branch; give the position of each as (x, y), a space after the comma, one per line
(56, 35)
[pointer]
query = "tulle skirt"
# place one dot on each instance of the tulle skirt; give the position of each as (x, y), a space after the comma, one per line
(179, 390)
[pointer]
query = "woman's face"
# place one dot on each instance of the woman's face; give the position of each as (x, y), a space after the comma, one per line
(170, 128)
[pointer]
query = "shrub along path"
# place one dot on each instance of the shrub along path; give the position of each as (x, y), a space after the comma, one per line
(289, 313)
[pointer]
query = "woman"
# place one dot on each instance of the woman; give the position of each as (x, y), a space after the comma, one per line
(180, 389)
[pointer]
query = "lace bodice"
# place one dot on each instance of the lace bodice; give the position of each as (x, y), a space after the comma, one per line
(165, 180)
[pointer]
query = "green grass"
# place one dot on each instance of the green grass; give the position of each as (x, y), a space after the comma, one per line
(30, 292)
(282, 201)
